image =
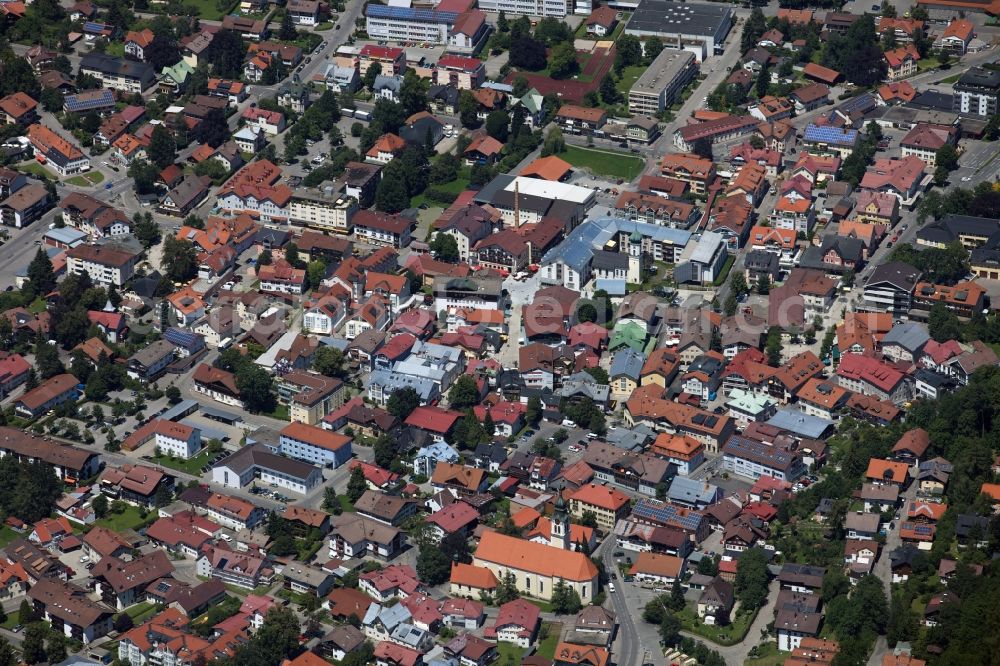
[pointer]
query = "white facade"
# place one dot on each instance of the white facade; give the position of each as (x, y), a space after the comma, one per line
(179, 447)
(100, 273)
(325, 214)
(554, 8)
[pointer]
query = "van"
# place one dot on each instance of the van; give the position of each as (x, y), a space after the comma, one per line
(568, 423)
(592, 435)
(611, 588)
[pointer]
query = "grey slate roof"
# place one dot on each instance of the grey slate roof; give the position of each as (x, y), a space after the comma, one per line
(627, 362)
(909, 335)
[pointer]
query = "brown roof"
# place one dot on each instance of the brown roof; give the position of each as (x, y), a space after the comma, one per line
(67, 602)
(575, 112)
(123, 576)
(49, 389)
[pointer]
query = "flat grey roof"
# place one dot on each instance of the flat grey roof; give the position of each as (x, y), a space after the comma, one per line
(666, 17)
(662, 72)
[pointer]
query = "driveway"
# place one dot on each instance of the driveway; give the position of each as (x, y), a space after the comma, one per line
(737, 654)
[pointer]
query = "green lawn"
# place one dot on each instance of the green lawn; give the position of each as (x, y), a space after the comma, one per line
(345, 503)
(87, 179)
(767, 655)
(509, 653)
(722, 635)
(629, 76)
(37, 306)
(191, 465)
(455, 187)
(930, 62)
(208, 9)
(547, 646)
(281, 412)
(13, 619)
(141, 612)
(719, 281)
(36, 169)
(604, 162)
(129, 519)
(7, 535)
(322, 27)
(951, 79)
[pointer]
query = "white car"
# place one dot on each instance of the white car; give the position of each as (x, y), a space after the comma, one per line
(611, 587)
(574, 448)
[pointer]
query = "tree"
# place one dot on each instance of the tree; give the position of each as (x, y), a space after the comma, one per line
(41, 275)
(456, 548)
(533, 415)
(100, 506)
(256, 387)
(753, 29)
(946, 157)
(506, 590)
(763, 284)
(468, 110)
(628, 52)
(213, 130)
(329, 361)
(173, 395)
(356, 484)
(702, 147)
(527, 53)
(445, 168)
(226, 54)
(180, 259)
(385, 450)
(264, 258)
(496, 125)
(554, 143)
(670, 629)
(763, 80)
(47, 360)
(565, 600)
(212, 168)
(750, 585)
(609, 91)
(464, 392)
(33, 647)
(730, 305)
(143, 175)
(374, 70)
(55, 647)
(444, 247)
(652, 47)
(588, 519)
(774, 348)
(162, 149)
(146, 230)
(942, 324)
(391, 195)
(562, 63)
(412, 94)
(402, 402)
(433, 566)
(287, 31)
(677, 602)
(331, 502)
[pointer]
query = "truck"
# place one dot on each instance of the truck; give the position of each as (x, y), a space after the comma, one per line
(363, 115)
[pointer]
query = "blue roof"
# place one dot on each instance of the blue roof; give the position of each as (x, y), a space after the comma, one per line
(65, 235)
(830, 135)
(93, 26)
(800, 423)
(578, 248)
(183, 338)
(690, 491)
(74, 104)
(664, 513)
(613, 287)
(627, 362)
(410, 14)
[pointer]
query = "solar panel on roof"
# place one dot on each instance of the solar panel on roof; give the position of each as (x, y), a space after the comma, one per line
(410, 14)
(74, 104)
